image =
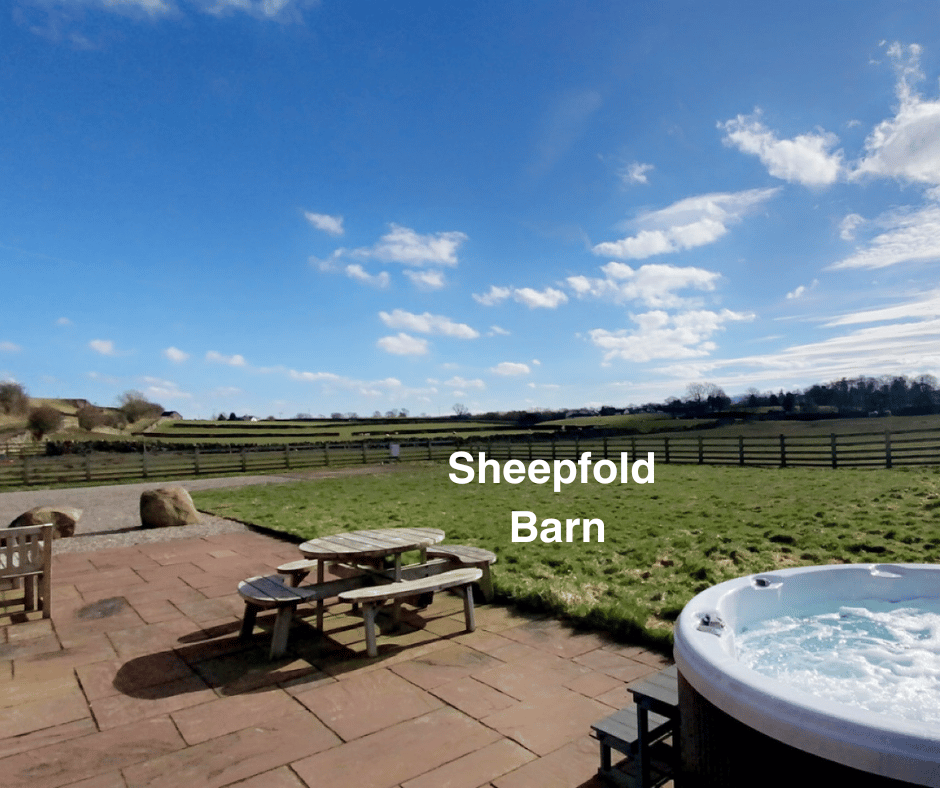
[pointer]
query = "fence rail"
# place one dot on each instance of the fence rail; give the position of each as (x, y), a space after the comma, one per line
(856, 450)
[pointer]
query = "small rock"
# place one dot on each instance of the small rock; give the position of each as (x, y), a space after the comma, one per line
(167, 507)
(63, 518)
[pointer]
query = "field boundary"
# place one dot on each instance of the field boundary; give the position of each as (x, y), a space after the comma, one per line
(855, 450)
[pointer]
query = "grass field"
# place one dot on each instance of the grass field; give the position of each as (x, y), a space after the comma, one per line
(664, 542)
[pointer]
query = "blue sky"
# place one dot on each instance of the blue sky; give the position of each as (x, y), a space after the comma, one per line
(282, 206)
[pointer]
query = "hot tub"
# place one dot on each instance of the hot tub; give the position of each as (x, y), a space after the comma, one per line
(733, 717)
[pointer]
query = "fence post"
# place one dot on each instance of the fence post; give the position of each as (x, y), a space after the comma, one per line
(287, 456)
(783, 451)
(326, 453)
(887, 448)
(196, 460)
(666, 448)
(244, 453)
(530, 447)
(144, 464)
(553, 446)
(88, 467)
(509, 448)
(701, 451)
(605, 447)
(832, 443)
(740, 450)
(633, 455)
(429, 450)
(25, 468)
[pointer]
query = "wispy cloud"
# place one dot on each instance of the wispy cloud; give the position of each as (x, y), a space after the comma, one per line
(510, 369)
(686, 224)
(655, 285)
(333, 225)
(636, 173)
(219, 358)
(426, 280)
(175, 354)
(403, 344)
(404, 245)
(806, 159)
(10, 347)
(909, 236)
(357, 272)
(428, 324)
(548, 298)
(103, 346)
(907, 146)
(661, 335)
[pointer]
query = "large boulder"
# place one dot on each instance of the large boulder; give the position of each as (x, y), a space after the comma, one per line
(63, 519)
(167, 507)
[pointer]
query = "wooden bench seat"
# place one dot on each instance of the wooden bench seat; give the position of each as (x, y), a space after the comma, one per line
(467, 555)
(371, 598)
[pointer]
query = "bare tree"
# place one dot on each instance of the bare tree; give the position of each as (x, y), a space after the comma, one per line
(461, 410)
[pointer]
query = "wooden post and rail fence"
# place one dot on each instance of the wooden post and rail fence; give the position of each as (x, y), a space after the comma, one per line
(856, 450)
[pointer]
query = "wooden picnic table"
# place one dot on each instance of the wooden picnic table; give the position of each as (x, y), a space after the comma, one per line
(365, 547)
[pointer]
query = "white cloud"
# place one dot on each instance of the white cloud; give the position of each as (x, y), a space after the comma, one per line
(175, 354)
(328, 224)
(428, 324)
(653, 284)
(800, 291)
(164, 390)
(9, 347)
(926, 306)
(426, 280)
(404, 245)
(907, 146)
(688, 223)
(232, 361)
(357, 272)
(403, 345)
(314, 377)
(103, 346)
(549, 298)
(510, 368)
(661, 335)
(805, 159)
(636, 172)
(493, 296)
(464, 383)
(63, 321)
(497, 331)
(911, 236)
(849, 225)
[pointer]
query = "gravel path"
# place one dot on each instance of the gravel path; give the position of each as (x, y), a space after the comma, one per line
(111, 513)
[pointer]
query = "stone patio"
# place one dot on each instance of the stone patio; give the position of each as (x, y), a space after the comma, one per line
(139, 680)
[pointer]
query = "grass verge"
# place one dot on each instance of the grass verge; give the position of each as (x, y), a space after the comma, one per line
(664, 542)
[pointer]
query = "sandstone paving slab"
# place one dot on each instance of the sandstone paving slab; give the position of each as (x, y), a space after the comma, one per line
(473, 698)
(556, 638)
(391, 756)
(151, 638)
(40, 739)
(593, 684)
(119, 710)
(109, 780)
(367, 703)
(572, 766)
(530, 680)
(444, 665)
(101, 753)
(50, 686)
(570, 713)
(476, 768)
(276, 778)
(236, 756)
(615, 665)
(115, 676)
(46, 713)
(227, 715)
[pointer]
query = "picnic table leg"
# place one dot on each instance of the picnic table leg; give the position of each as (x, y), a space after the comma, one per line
(248, 622)
(281, 630)
(396, 603)
(468, 607)
(320, 571)
(368, 619)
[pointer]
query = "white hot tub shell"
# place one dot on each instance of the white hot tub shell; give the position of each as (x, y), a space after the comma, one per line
(721, 698)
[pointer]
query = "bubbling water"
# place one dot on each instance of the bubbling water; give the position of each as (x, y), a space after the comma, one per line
(883, 656)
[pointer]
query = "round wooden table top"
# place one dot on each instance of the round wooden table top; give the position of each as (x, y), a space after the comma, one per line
(370, 544)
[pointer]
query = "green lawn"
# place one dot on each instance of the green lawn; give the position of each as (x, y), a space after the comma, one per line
(664, 542)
